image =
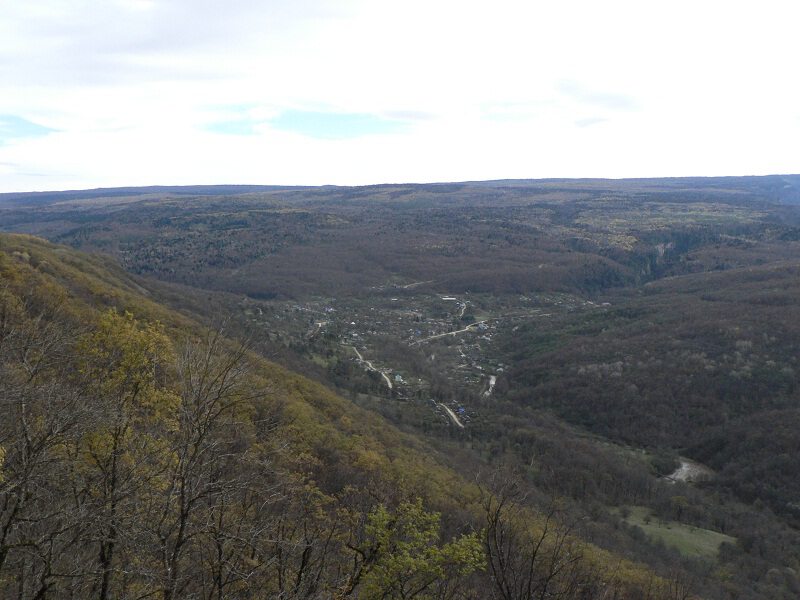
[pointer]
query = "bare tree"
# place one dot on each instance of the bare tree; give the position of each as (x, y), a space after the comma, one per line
(535, 557)
(41, 415)
(219, 481)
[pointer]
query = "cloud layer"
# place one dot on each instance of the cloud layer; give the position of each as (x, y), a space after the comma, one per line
(130, 92)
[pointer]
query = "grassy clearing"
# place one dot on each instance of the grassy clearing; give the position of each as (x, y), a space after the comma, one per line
(692, 542)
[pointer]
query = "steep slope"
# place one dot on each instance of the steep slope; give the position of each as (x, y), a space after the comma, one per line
(144, 455)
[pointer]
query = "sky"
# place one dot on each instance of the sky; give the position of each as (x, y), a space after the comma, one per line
(100, 93)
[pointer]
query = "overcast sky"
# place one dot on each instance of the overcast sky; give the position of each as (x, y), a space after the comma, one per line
(139, 92)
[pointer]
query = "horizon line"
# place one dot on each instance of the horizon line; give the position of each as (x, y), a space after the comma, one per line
(155, 188)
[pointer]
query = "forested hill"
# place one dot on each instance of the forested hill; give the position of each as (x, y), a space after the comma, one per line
(145, 455)
(577, 236)
(705, 362)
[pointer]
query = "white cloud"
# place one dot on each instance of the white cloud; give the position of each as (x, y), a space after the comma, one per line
(508, 89)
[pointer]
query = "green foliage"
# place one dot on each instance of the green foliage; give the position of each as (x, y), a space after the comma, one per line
(407, 559)
(127, 361)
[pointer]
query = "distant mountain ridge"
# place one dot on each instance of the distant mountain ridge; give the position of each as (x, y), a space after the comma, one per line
(49, 197)
(786, 188)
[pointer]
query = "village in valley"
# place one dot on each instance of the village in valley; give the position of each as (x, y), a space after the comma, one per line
(440, 351)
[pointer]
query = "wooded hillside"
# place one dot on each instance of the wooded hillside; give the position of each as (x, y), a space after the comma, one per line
(145, 455)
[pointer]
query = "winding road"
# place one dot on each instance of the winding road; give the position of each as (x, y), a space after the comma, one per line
(453, 417)
(371, 367)
(408, 286)
(439, 335)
